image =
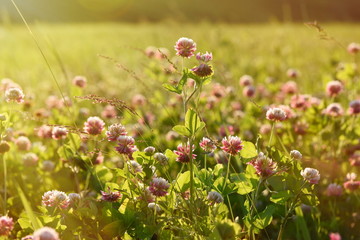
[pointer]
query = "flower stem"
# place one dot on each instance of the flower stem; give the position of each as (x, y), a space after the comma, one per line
(272, 133)
(227, 173)
(191, 173)
(5, 184)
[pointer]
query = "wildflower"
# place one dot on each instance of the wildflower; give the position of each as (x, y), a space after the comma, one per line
(295, 154)
(109, 112)
(214, 197)
(161, 158)
(6, 225)
(150, 51)
(249, 91)
(334, 190)
(354, 107)
(155, 207)
(114, 131)
(54, 102)
(14, 95)
(126, 145)
(232, 145)
(288, 111)
(80, 81)
(352, 185)
(206, 57)
(246, 80)
(183, 153)
(149, 151)
(311, 175)
(263, 165)
(203, 70)
(30, 159)
(289, 87)
(59, 133)
(185, 47)
(74, 198)
(45, 131)
(353, 48)
(351, 176)
(207, 145)
(334, 236)
(136, 167)
(276, 114)
(333, 88)
(138, 100)
(46, 233)
(55, 198)
(158, 186)
(292, 73)
(301, 102)
(355, 159)
(4, 147)
(110, 196)
(147, 196)
(333, 110)
(94, 125)
(48, 166)
(23, 143)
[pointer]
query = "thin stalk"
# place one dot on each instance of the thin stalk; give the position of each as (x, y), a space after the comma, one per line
(292, 207)
(227, 173)
(5, 183)
(272, 133)
(191, 173)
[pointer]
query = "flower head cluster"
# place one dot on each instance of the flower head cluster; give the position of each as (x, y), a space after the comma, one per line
(185, 47)
(23, 143)
(94, 125)
(246, 80)
(204, 58)
(6, 225)
(295, 154)
(207, 145)
(30, 159)
(59, 133)
(114, 131)
(110, 196)
(161, 158)
(333, 88)
(263, 165)
(55, 198)
(14, 95)
(126, 145)
(353, 48)
(276, 114)
(354, 107)
(158, 187)
(334, 110)
(355, 159)
(232, 145)
(292, 73)
(310, 175)
(214, 197)
(334, 190)
(203, 70)
(289, 87)
(46, 233)
(334, 236)
(155, 207)
(183, 153)
(351, 184)
(45, 131)
(135, 166)
(80, 81)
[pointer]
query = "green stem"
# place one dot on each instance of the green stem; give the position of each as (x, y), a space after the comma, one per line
(191, 173)
(5, 184)
(272, 133)
(227, 173)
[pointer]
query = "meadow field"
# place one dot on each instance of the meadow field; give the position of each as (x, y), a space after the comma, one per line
(108, 132)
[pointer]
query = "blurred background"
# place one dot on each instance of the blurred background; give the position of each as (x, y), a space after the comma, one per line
(227, 11)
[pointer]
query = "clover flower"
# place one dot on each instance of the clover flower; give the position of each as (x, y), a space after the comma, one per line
(232, 145)
(80, 81)
(310, 175)
(263, 165)
(158, 187)
(126, 145)
(6, 225)
(14, 95)
(185, 47)
(55, 198)
(276, 114)
(333, 88)
(110, 196)
(207, 145)
(94, 125)
(334, 189)
(114, 131)
(214, 197)
(59, 133)
(46, 233)
(183, 153)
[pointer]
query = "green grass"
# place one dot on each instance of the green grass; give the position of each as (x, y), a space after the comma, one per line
(258, 50)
